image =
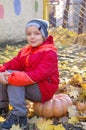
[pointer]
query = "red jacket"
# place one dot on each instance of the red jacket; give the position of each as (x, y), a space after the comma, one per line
(36, 65)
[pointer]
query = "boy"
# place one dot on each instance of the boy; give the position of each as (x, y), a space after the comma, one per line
(32, 74)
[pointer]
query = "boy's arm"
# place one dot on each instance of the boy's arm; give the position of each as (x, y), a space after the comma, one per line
(47, 66)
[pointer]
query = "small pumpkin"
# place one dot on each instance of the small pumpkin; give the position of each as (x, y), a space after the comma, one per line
(56, 107)
(81, 106)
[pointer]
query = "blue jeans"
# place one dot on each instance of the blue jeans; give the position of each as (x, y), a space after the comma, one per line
(16, 96)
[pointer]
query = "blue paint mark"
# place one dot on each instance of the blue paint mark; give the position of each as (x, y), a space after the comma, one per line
(17, 7)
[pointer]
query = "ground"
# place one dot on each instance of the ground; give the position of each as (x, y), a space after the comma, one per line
(72, 66)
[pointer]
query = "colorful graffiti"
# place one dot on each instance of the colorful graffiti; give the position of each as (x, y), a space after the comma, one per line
(1, 11)
(17, 8)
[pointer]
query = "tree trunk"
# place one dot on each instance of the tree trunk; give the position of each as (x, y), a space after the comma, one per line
(81, 17)
(65, 16)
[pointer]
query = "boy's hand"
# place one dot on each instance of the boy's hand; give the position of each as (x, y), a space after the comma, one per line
(4, 77)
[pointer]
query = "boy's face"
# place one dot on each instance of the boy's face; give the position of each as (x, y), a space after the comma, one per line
(34, 36)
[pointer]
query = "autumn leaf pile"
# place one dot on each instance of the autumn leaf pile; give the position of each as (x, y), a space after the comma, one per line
(72, 68)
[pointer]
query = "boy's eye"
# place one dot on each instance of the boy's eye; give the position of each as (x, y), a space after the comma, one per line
(28, 33)
(35, 33)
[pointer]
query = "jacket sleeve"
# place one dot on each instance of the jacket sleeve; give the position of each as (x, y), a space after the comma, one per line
(18, 78)
(47, 66)
(2, 68)
(13, 64)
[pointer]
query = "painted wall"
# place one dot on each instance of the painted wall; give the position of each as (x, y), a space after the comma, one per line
(14, 14)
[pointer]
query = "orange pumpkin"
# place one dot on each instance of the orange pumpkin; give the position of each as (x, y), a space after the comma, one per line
(56, 107)
(81, 106)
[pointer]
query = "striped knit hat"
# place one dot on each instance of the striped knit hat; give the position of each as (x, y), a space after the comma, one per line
(42, 25)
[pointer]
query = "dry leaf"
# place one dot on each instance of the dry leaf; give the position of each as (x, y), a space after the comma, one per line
(74, 94)
(1, 119)
(59, 127)
(73, 120)
(81, 117)
(15, 127)
(83, 85)
(72, 111)
(83, 125)
(44, 124)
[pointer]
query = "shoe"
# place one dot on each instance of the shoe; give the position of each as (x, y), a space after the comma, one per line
(23, 123)
(15, 120)
(11, 119)
(4, 111)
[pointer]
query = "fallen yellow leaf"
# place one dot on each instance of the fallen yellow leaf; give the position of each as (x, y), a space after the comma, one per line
(76, 79)
(15, 127)
(83, 85)
(59, 127)
(1, 119)
(73, 120)
(10, 107)
(44, 124)
(81, 117)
